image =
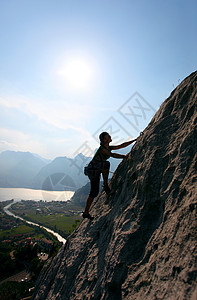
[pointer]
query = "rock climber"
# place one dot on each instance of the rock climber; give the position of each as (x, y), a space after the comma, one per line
(98, 165)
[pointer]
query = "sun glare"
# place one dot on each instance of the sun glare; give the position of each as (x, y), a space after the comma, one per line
(77, 74)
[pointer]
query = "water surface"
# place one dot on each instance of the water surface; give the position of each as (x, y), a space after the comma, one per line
(30, 194)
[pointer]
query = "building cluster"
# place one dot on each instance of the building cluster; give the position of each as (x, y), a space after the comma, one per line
(45, 208)
(20, 240)
(9, 224)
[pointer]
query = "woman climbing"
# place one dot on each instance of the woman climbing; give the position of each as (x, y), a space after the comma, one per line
(98, 165)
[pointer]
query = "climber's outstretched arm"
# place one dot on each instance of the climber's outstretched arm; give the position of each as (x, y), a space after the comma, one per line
(114, 155)
(123, 145)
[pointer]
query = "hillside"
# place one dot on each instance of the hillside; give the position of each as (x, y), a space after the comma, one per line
(142, 241)
(80, 196)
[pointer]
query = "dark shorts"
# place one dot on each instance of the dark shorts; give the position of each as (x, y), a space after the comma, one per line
(95, 181)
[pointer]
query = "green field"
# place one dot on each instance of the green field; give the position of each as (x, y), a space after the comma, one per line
(55, 222)
(21, 229)
(61, 217)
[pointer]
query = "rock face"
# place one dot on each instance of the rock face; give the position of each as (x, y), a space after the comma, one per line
(142, 242)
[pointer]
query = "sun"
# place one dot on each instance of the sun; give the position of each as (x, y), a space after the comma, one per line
(77, 74)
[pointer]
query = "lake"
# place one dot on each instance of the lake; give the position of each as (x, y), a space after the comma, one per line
(29, 194)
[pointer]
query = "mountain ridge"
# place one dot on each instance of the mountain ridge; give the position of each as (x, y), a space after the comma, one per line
(18, 168)
(29, 170)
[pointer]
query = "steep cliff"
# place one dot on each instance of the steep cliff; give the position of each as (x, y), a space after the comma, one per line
(142, 242)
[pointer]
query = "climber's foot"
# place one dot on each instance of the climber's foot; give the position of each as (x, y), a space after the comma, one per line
(87, 216)
(107, 189)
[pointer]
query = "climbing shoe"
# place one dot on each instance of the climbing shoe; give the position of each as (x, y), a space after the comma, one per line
(87, 216)
(107, 190)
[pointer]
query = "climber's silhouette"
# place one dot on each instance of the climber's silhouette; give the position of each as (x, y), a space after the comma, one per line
(98, 165)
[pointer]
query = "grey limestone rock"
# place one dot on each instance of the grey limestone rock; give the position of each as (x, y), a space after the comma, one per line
(142, 241)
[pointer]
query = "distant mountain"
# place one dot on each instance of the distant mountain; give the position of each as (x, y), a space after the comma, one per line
(62, 174)
(28, 170)
(17, 169)
(43, 159)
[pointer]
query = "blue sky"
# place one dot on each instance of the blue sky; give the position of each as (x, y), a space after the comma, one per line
(70, 69)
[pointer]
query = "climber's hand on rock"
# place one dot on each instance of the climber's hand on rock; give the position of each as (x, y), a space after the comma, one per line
(125, 157)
